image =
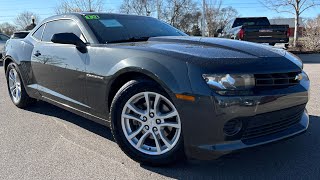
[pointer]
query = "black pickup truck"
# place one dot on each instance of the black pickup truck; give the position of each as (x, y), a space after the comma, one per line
(255, 29)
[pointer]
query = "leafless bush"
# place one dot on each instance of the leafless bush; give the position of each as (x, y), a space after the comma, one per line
(25, 18)
(67, 6)
(311, 35)
(7, 28)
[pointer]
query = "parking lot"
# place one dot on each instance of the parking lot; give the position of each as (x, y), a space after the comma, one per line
(46, 142)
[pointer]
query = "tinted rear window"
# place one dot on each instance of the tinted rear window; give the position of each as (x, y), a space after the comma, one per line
(21, 35)
(114, 28)
(38, 33)
(251, 21)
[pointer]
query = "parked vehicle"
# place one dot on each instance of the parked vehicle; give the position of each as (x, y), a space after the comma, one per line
(20, 34)
(3, 40)
(255, 29)
(164, 94)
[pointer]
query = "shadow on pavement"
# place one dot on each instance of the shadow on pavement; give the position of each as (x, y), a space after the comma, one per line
(288, 159)
(42, 107)
(292, 158)
(1, 63)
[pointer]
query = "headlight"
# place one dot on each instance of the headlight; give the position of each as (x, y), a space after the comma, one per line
(304, 76)
(230, 84)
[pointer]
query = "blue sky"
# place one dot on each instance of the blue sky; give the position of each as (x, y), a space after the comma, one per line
(10, 8)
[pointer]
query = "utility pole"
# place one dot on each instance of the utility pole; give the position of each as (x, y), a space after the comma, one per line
(203, 22)
(158, 9)
(90, 10)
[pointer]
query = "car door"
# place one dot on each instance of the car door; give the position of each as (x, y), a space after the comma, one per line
(59, 69)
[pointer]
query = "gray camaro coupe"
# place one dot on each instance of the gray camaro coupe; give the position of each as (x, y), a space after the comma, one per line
(164, 94)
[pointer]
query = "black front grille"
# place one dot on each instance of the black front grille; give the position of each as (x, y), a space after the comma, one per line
(269, 123)
(278, 79)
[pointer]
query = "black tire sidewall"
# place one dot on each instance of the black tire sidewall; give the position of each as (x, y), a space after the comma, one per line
(25, 99)
(124, 94)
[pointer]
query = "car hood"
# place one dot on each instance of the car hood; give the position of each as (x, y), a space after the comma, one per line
(215, 47)
(222, 54)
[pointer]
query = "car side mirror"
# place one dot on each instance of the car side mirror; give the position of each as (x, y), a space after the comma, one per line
(70, 38)
(219, 31)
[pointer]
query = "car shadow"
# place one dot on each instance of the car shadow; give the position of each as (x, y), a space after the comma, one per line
(45, 108)
(1, 63)
(287, 159)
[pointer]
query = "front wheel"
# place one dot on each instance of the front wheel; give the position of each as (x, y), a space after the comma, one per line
(146, 124)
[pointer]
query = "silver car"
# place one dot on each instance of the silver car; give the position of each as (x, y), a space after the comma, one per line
(3, 40)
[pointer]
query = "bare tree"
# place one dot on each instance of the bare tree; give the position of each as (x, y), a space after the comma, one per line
(226, 14)
(173, 11)
(216, 16)
(295, 7)
(7, 28)
(189, 22)
(139, 7)
(212, 8)
(24, 19)
(195, 31)
(67, 6)
(311, 35)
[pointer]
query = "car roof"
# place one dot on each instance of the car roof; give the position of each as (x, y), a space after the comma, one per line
(79, 14)
(4, 34)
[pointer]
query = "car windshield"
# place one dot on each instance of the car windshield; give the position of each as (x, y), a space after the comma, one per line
(251, 22)
(122, 28)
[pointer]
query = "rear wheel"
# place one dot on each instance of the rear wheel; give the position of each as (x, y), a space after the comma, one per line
(146, 124)
(16, 88)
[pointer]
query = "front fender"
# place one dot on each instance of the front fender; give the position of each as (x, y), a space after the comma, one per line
(173, 80)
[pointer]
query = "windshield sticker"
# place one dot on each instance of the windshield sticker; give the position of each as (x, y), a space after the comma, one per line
(110, 23)
(91, 17)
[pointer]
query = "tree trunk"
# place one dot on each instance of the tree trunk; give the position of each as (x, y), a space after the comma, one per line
(296, 30)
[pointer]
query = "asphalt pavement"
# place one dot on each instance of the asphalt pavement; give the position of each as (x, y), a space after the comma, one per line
(46, 142)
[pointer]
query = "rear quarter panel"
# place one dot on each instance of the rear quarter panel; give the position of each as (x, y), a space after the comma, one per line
(19, 51)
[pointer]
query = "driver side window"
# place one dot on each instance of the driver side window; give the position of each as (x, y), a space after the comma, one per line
(61, 26)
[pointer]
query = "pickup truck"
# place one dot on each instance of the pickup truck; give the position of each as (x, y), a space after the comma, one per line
(255, 29)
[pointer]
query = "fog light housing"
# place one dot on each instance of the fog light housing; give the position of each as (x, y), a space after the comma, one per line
(232, 127)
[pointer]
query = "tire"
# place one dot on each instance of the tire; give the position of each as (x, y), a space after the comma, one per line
(17, 92)
(148, 153)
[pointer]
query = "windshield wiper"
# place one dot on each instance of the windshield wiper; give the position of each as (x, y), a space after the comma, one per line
(132, 39)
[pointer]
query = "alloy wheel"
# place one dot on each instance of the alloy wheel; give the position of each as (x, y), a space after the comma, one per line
(14, 85)
(151, 123)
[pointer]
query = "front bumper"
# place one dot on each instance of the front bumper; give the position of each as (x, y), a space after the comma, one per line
(203, 121)
(217, 150)
(267, 40)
